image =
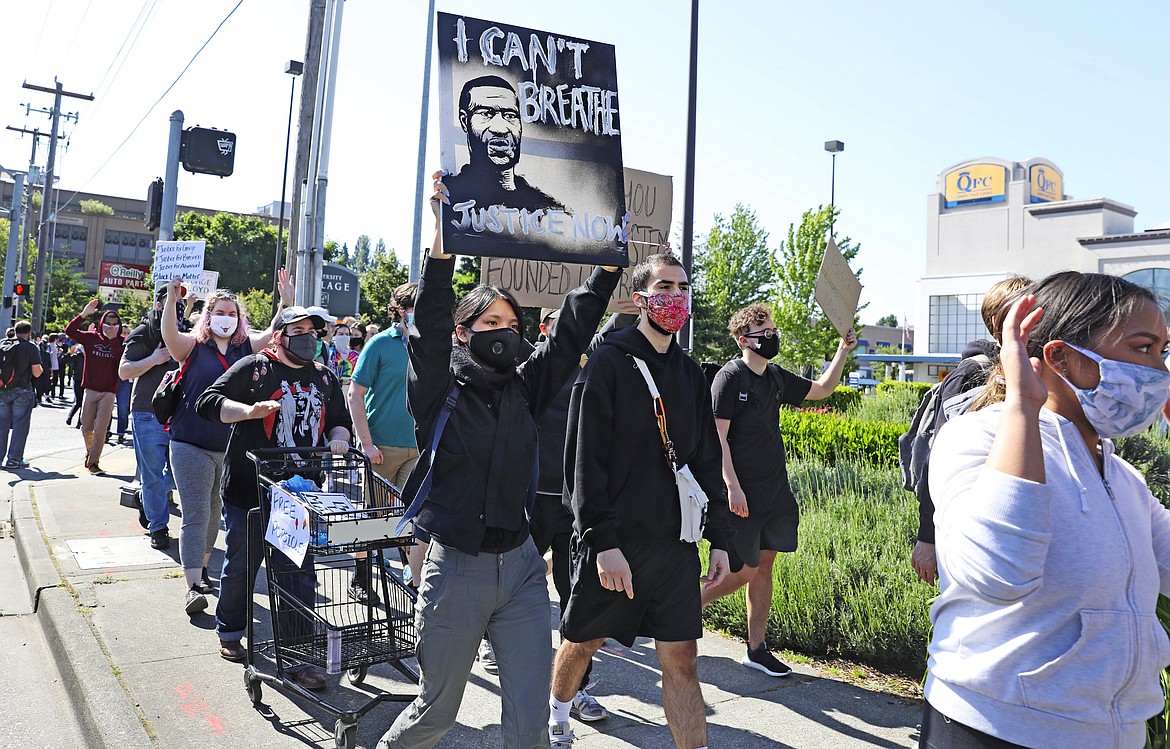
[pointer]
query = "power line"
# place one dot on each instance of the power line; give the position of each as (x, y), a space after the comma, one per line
(122, 46)
(76, 31)
(40, 36)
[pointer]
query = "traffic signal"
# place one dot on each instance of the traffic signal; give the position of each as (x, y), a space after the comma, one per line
(207, 151)
(154, 199)
(20, 289)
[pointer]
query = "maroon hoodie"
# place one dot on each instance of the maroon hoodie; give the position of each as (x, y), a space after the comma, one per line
(102, 355)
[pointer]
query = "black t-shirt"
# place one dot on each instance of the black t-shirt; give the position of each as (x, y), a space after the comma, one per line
(752, 403)
(312, 405)
(25, 354)
(141, 343)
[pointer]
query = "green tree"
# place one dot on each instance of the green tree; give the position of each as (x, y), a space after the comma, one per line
(330, 253)
(361, 254)
(258, 304)
(466, 275)
(343, 257)
(889, 321)
(241, 248)
(807, 338)
(379, 250)
(68, 294)
(96, 207)
(383, 275)
(733, 268)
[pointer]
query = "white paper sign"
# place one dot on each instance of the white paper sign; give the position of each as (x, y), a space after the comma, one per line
(178, 260)
(288, 525)
(838, 290)
(202, 288)
(327, 502)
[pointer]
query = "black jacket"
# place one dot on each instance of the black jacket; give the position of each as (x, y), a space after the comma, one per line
(620, 488)
(486, 456)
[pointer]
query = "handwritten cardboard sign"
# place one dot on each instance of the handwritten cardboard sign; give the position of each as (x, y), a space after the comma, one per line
(288, 525)
(202, 288)
(838, 290)
(649, 200)
(178, 260)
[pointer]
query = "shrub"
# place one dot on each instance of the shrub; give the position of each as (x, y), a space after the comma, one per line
(841, 399)
(894, 386)
(833, 438)
(1149, 452)
(849, 590)
(892, 405)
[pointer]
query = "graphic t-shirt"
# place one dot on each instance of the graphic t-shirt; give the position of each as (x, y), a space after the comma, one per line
(752, 403)
(311, 405)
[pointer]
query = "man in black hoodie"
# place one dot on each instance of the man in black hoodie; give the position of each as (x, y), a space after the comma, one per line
(626, 513)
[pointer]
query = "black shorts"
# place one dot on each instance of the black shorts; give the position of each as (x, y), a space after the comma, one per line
(756, 533)
(666, 605)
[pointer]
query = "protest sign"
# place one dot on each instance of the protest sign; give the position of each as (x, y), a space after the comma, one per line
(838, 290)
(288, 525)
(544, 284)
(202, 288)
(529, 135)
(178, 260)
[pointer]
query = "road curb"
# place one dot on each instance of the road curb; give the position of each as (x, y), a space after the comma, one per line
(100, 701)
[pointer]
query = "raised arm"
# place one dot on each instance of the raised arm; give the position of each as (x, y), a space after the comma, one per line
(285, 288)
(824, 386)
(178, 343)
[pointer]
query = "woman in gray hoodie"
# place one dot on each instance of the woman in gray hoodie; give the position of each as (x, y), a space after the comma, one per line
(1051, 549)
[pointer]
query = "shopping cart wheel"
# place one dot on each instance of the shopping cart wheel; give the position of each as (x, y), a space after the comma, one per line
(357, 675)
(345, 734)
(252, 686)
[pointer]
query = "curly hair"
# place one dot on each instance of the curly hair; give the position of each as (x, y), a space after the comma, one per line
(747, 318)
(402, 298)
(203, 327)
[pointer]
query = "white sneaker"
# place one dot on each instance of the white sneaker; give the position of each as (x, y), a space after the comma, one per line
(487, 657)
(587, 708)
(560, 735)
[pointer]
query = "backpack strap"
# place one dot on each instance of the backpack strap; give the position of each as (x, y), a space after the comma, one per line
(424, 487)
(659, 413)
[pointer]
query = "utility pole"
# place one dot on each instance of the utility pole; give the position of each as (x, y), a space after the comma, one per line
(170, 196)
(43, 233)
(416, 241)
(313, 41)
(686, 336)
(22, 256)
(10, 259)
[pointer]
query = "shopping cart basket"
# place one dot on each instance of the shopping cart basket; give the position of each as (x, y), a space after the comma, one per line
(350, 510)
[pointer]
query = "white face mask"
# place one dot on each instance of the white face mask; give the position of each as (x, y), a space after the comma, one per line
(341, 341)
(223, 325)
(1127, 400)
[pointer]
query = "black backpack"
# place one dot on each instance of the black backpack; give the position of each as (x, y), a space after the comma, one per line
(8, 359)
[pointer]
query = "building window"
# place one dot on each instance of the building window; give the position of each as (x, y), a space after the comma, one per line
(955, 320)
(69, 243)
(1156, 280)
(129, 247)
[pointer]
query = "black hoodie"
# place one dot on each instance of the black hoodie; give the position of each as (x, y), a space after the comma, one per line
(620, 487)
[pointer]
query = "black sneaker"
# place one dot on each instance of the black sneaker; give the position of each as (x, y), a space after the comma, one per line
(761, 660)
(160, 539)
(362, 592)
(204, 585)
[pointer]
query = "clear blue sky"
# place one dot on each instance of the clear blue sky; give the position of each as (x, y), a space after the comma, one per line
(910, 87)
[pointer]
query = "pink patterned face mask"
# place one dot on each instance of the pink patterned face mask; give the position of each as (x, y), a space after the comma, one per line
(668, 311)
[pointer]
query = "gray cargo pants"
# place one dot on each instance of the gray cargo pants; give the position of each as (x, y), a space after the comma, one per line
(460, 597)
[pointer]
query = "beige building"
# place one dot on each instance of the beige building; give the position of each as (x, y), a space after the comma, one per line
(990, 218)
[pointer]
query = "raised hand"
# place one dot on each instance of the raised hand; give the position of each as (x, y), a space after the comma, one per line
(1021, 372)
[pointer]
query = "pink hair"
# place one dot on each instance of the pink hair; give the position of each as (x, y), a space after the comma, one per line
(203, 329)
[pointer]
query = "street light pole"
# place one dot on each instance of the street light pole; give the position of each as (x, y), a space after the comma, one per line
(834, 147)
(294, 68)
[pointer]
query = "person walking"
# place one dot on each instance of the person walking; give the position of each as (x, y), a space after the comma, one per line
(20, 366)
(99, 376)
(76, 363)
(219, 340)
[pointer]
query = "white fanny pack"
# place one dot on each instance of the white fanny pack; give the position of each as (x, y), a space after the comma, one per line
(692, 500)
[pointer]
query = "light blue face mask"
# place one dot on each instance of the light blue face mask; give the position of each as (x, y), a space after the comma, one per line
(1127, 400)
(410, 318)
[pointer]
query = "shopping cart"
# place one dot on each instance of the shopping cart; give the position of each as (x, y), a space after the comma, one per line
(314, 619)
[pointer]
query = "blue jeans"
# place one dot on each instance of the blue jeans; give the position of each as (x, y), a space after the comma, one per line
(123, 400)
(150, 448)
(15, 414)
(238, 580)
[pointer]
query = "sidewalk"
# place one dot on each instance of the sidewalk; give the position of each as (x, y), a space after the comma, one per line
(140, 673)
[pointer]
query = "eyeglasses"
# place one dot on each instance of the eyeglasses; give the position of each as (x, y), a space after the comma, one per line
(767, 334)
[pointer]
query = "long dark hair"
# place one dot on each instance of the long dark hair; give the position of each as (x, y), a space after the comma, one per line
(1079, 308)
(475, 302)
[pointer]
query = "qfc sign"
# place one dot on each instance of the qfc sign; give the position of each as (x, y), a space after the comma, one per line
(1047, 183)
(340, 292)
(975, 183)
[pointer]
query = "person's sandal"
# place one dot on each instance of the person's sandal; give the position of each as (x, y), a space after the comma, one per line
(231, 651)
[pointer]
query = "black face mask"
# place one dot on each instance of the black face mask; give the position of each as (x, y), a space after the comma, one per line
(769, 347)
(302, 347)
(496, 349)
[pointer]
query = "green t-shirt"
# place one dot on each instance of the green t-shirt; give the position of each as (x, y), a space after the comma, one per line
(381, 369)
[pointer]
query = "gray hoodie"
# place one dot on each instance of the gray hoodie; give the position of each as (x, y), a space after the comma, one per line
(1045, 632)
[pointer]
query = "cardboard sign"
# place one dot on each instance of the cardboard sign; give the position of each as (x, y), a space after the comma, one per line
(178, 260)
(531, 139)
(649, 200)
(838, 290)
(288, 525)
(116, 295)
(202, 288)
